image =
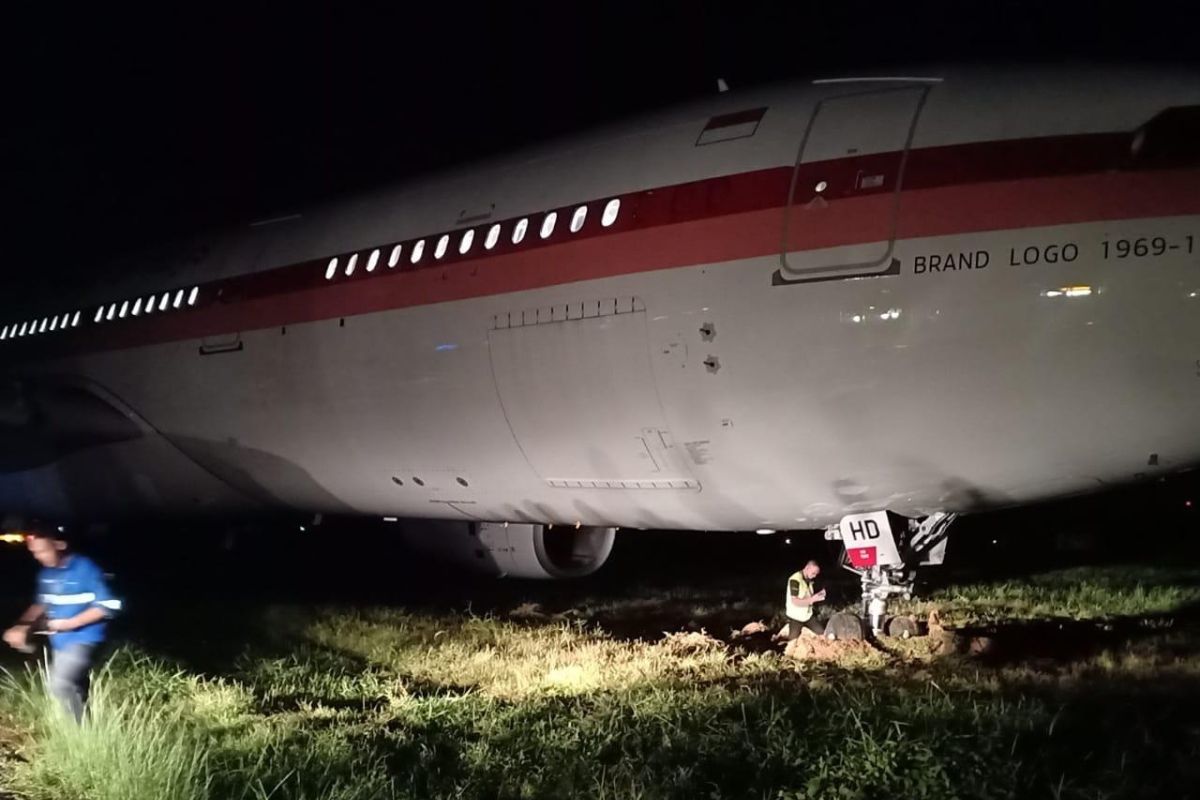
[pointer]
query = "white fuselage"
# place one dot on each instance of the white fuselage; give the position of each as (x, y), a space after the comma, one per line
(767, 336)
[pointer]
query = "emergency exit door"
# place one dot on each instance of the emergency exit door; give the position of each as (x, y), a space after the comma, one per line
(845, 191)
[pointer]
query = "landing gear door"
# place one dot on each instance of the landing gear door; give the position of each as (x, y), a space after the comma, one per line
(845, 191)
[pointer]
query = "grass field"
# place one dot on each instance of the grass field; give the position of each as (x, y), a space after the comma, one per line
(589, 698)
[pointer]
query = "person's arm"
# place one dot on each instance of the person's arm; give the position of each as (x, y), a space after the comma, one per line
(31, 615)
(17, 636)
(812, 599)
(103, 606)
(86, 617)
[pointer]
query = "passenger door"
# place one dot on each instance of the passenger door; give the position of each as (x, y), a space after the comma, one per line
(845, 191)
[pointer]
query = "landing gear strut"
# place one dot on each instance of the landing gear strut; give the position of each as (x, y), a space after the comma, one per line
(884, 549)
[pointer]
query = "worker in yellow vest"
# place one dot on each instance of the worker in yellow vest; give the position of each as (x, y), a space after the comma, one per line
(800, 600)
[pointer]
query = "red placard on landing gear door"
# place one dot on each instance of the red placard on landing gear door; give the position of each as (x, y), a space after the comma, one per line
(861, 557)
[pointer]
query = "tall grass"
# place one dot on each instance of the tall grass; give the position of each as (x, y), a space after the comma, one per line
(1083, 593)
(132, 744)
(344, 704)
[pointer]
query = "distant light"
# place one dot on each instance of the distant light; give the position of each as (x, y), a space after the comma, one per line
(994, 541)
(12, 538)
(856, 318)
(61, 529)
(1077, 291)
(765, 531)
(441, 348)
(303, 529)
(787, 540)
(1192, 294)
(391, 519)
(1052, 293)
(1187, 503)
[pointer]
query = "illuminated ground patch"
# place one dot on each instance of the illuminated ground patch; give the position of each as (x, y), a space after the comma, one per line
(375, 703)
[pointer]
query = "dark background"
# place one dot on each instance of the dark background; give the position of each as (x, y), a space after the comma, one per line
(123, 127)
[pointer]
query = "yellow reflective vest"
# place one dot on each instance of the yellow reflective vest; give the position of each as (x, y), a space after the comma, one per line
(798, 586)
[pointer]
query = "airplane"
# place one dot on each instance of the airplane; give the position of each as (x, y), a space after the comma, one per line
(864, 304)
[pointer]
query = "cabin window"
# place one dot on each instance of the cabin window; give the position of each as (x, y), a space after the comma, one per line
(578, 218)
(519, 231)
(394, 257)
(1171, 139)
(418, 251)
(351, 264)
(611, 209)
(468, 239)
(548, 224)
(373, 261)
(137, 307)
(492, 237)
(330, 271)
(193, 295)
(442, 244)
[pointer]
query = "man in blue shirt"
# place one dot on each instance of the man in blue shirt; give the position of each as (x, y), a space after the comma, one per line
(75, 603)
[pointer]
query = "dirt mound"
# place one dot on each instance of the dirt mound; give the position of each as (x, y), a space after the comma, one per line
(690, 642)
(528, 611)
(941, 641)
(750, 629)
(811, 647)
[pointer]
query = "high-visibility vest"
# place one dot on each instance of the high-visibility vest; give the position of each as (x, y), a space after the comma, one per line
(798, 586)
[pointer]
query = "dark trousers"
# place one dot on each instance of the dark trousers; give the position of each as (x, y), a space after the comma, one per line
(812, 623)
(70, 677)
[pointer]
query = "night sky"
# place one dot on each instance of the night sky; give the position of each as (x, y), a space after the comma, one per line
(123, 128)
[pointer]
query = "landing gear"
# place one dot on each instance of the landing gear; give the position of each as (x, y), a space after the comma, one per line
(884, 549)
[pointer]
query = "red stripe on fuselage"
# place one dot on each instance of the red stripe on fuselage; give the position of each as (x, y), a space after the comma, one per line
(947, 190)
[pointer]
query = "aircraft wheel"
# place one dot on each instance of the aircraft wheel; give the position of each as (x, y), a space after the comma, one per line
(902, 627)
(844, 626)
